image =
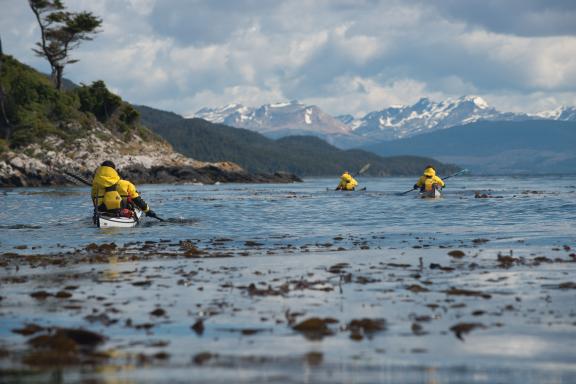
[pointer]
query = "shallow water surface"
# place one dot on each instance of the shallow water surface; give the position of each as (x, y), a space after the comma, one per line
(295, 283)
(538, 210)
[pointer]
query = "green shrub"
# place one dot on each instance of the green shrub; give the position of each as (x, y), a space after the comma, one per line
(35, 108)
(3, 146)
(98, 100)
(128, 114)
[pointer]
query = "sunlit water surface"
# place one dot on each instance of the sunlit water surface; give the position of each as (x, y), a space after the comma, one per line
(526, 329)
(537, 210)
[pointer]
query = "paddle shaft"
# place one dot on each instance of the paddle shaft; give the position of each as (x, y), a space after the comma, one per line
(456, 174)
(77, 177)
(403, 193)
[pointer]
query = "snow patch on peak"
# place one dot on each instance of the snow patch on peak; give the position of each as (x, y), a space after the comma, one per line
(480, 102)
(279, 105)
(476, 100)
(551, 114)
(564, 113)
(308, 116)
(216, 115)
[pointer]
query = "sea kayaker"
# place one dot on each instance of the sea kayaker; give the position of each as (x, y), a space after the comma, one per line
(113, 195)
(347, 182)
(429, 181)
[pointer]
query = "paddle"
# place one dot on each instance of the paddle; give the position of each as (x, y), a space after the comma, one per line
(447, 177)
(456, 174)
(362, 170)
(74, 177)
(405, 192)
(153, 215)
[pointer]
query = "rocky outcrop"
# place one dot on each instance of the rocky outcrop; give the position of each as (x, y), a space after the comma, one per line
(140, 161)
(20, 170)
(209, 174)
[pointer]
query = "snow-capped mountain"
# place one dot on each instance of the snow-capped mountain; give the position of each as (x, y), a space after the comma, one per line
(276, 120)
(562, 113)
(396, 122)
(425, 116)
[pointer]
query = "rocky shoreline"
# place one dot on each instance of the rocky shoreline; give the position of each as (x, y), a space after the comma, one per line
(47, 164)
(28, 176)
(209, 174)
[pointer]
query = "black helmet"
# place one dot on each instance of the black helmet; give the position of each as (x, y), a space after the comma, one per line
(108, 163)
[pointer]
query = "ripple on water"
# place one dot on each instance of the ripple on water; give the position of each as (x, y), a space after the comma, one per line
(304, 210)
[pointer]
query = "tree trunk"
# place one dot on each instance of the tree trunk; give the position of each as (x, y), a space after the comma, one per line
(59, 72)
(4, 121)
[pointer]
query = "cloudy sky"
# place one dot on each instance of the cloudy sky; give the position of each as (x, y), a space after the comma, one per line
(345, 56)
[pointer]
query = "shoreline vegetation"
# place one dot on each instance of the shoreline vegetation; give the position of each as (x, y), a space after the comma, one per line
(45, 132)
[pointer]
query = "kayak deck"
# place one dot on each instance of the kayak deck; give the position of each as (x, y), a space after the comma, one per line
(103, 220)
(433, 194)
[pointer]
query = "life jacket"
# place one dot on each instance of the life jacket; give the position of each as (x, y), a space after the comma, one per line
(111, 198)
(429, 183)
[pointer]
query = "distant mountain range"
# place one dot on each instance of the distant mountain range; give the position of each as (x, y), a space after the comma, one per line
(284, 119)
(393, 123)
(302, 155)
(496, 147)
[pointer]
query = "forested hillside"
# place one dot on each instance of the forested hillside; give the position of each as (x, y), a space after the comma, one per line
(496, 147)
(303, 155)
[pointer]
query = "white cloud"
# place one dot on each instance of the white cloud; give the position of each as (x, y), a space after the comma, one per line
(344, 56)
(545, 63)
(363, 95)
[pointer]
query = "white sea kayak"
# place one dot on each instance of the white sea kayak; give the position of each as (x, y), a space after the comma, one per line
(103, 220)
(433, 194)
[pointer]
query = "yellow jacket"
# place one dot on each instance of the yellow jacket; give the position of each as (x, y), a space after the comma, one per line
(111, 192)
(428, 179)
(347, 182)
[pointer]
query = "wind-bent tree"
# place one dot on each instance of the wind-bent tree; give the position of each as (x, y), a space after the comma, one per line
(61, 31)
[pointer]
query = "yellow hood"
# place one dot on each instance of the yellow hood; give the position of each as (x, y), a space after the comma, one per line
(429, 172)
(105, 177)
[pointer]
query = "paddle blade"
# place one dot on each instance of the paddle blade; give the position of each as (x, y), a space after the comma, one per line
(155, 216)
(363, 169)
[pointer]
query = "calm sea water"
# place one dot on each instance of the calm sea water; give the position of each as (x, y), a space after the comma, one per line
(524, 317)
(537, 210)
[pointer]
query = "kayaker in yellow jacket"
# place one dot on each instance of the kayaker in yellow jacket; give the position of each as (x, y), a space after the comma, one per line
(428, 181)
(112, 194)
(347, 182)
